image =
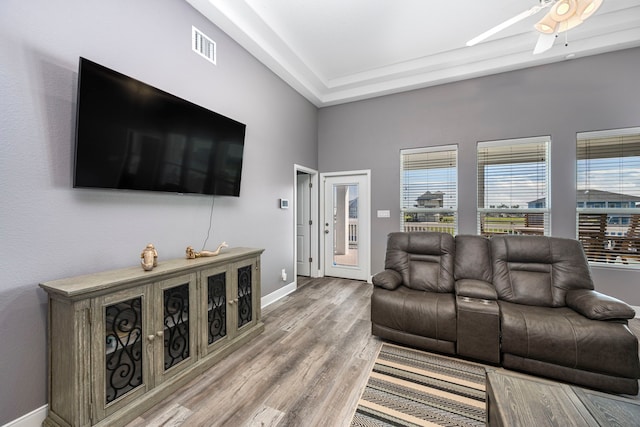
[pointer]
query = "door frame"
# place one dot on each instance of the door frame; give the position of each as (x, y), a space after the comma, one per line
(314, 232)
(367, 256)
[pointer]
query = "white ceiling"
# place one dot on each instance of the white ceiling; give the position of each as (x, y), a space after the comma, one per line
(337, 51)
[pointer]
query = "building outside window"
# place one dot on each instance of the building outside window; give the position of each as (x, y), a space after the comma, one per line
(513, 186)
(429, 189)
(608, 196)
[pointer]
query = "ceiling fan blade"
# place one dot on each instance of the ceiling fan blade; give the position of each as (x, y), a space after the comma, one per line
(545, 42)
(508, 23)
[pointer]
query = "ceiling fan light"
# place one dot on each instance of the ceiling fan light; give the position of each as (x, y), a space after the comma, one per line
(563, 10)
(544, 28)
(586, 8)
(546, 25)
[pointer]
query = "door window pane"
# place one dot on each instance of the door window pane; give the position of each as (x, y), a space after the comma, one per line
(345, 224)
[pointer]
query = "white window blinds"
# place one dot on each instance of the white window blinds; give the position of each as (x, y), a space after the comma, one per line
(429, 189)
(513, 186)
(608, 193)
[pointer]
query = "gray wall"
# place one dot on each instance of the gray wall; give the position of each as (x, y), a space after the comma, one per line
(49, 230)
(600, 92)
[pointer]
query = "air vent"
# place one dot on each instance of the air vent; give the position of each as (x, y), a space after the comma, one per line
(203, 45)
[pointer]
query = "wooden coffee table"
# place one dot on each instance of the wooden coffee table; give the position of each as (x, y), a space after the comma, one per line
(515, 399)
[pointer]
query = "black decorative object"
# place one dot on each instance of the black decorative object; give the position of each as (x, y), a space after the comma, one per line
(176, 325)
(217, 307)
(244, 296)
(123, 331)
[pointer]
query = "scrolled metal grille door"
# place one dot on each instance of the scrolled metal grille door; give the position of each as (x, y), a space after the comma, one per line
(176, 325)
(245, 307)
(217, 307)
(123, 349)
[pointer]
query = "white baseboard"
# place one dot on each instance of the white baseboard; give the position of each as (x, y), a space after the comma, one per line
(32, 419)
(280, 293)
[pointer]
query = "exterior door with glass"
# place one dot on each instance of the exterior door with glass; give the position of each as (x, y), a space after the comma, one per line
(346, 225)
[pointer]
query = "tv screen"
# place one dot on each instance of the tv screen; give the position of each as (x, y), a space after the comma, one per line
(132, 136)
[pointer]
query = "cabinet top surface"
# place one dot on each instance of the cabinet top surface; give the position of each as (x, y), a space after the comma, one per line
(78, 286)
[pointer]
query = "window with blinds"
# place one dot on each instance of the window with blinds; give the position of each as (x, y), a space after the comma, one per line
(429, 189)
(513, 186)
(608, 195)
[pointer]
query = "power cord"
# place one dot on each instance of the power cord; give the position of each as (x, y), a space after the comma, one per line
(213, 198)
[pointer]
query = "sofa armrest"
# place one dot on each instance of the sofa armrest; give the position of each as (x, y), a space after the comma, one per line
(387, 279)
(478, 289)
(597, 306)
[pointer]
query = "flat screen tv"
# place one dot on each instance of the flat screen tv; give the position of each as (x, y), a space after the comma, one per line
(132, 136)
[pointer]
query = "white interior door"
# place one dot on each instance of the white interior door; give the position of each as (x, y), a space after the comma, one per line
(346, 225)
(303, 224)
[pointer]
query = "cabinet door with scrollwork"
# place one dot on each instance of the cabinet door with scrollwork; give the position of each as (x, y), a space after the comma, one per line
(121, 360)
(246, 302)
(216, 291)
(175, 325)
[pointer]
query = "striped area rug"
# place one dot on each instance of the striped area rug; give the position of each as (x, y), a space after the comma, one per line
(409, 387)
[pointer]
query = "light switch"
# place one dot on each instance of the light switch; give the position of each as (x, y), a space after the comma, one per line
(384, 214)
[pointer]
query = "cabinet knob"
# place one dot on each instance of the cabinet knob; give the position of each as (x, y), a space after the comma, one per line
(159, 334)
(151, 337)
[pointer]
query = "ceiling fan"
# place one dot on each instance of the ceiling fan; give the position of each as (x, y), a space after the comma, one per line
(562, 16)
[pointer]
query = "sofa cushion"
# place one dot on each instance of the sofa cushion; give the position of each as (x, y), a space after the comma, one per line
(562, 336)
(423, 259)
(538, 270)
(597, 306)
(473, 258)
(427, 314)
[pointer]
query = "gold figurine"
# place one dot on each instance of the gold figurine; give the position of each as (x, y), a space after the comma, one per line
(192, 254)
(149, 258)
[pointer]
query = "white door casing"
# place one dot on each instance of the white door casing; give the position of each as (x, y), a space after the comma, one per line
(303, 224)
(313, 209)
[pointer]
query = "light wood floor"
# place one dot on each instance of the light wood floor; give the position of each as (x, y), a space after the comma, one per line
(307, 368)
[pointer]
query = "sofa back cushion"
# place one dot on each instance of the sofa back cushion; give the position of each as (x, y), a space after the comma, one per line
(538, 270)
(423, 259)
(473, 258)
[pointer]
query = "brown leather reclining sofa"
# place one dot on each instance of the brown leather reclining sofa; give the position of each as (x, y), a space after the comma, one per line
(524, 302)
